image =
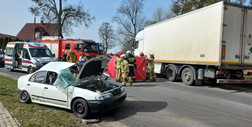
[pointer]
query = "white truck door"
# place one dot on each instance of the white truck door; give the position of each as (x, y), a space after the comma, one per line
(247, 57)
(232, 31)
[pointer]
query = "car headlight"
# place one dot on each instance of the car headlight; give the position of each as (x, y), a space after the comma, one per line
(122, 89)
(99, 97)
(108, 95)
(104, 96)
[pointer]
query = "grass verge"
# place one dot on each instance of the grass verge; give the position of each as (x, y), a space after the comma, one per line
(32, 115)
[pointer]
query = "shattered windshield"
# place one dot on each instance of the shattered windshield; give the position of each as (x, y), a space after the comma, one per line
(64, 79)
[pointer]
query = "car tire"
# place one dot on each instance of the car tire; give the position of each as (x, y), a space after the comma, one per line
(24, 97)
(80, 108)
(187, 76)
(29, 70)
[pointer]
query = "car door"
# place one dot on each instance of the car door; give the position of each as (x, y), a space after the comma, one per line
(51, 93)
(35, 86)
(25, 59)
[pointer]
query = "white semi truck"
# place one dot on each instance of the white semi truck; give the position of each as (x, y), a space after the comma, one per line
(213, 43)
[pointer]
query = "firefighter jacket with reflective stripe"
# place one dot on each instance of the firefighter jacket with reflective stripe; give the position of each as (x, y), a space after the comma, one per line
(150, 62)
(124, 66)
(72, 57)
(118, 62)
(131, 60)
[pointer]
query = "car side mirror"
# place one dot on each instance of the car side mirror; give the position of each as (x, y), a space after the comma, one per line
(53, 55)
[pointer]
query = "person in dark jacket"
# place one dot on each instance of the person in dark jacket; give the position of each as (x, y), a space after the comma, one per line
(63, 57)
(132, 66)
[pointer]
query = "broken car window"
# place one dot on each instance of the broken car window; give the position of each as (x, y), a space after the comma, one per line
(64, 79)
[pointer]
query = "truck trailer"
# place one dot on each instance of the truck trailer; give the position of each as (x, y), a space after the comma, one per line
(212, 43)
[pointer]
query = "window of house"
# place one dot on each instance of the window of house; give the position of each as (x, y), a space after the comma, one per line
(37, 35)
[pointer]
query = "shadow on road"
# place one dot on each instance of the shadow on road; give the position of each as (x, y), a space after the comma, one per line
(130, 108)
(235, 88)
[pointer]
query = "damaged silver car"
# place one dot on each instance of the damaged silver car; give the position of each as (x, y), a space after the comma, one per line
(55, 84)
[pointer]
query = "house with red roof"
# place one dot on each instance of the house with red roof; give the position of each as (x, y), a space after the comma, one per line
(41, 29)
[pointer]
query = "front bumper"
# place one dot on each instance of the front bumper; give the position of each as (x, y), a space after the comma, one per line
(18, 91)
(97, 106)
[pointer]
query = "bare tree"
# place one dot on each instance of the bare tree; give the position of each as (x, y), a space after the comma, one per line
(130, 20)
(106, 33)
(159, 15)
(65, 16)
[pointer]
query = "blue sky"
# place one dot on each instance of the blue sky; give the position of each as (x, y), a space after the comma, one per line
(14, 14)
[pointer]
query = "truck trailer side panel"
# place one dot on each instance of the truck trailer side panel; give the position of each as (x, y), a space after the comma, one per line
(248, 38)
(232, 31)
(193, 38)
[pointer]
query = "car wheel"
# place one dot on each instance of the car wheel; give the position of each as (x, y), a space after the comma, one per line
(80, 108)
(171, 73)
(187, 76)
(29, 70)
(24, 97)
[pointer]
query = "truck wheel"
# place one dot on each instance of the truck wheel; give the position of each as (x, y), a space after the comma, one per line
(80, 108)
(29, 70)
(170, 73)
(187, 76)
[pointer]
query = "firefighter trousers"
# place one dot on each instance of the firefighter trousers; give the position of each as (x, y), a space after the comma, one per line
(124, 77)
(131, 74)
(118, 74)
(151, 74)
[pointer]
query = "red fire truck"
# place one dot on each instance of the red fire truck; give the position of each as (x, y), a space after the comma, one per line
(58, 46)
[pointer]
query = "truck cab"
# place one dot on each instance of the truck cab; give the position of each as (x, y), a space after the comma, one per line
(27, 56)
(58, 46)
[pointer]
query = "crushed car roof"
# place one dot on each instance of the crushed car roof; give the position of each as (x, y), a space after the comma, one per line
(56, 66)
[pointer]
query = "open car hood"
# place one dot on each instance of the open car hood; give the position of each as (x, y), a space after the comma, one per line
(93, 67)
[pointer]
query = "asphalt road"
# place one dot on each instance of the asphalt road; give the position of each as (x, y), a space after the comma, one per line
(166, 104)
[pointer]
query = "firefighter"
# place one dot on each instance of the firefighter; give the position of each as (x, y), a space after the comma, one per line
(151, 67)
(71, 57)
(141, 54)
(132, 65)
(118, 67)
(124, 69)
